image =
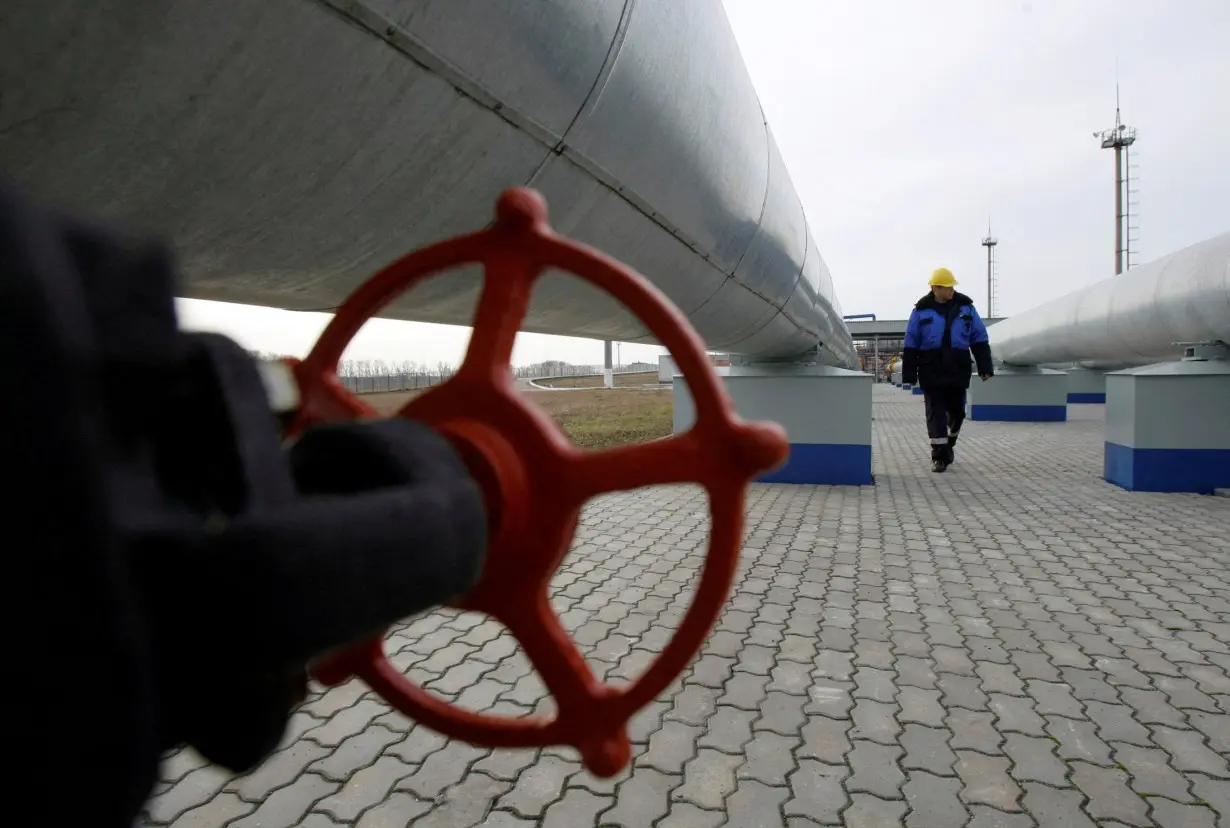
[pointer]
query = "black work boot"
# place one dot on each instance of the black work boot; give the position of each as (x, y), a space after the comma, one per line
(938, 465)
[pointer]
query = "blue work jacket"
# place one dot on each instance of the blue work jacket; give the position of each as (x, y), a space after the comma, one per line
(938, 342)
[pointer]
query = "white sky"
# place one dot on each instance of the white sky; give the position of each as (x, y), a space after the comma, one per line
(906, 123)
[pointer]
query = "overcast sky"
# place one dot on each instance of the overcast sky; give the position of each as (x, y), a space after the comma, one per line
(906, 124)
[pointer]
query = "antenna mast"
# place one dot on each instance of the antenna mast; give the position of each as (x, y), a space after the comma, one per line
(1119, 138)
(989, 243)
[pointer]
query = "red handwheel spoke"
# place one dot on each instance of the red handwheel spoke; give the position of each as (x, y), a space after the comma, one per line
(583, 702)
(555, 656)
(507, 284)
(677, 459)
(323, 399)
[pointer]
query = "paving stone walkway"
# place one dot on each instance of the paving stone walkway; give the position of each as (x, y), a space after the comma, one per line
(1011, 643)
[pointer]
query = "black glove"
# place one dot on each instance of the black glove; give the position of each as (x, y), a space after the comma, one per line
(403, 532)
(362, 524)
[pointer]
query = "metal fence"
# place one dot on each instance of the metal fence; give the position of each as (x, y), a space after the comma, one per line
(386, 383)
(547, 370)
(390, 382)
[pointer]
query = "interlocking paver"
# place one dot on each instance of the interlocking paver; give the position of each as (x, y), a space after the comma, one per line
(694, 704)
(755, 804)
(417, 745)
(769, 758)
(921, 706)
(672, 746)
(287, 806)
(441, 770)
(987, 781)
(1050, 806)
(1012, 643)
(194, 789)
(365, 788)
(876, 721)
(1152, 774)
(963, 692)
(973, 730)
(934, 801)
(983, 817)
(1109, 795)
(217, 811)
(1187, 816)
(356, 751)
(708, 779)
(1189, 753)
(782, 713)
(728, 730)
(641, 799)
(869, 812)
(687, 815)
(396, 811)
(577, 807)
(817, 792)
(537, 787)
(876, 770)
(1034, 760)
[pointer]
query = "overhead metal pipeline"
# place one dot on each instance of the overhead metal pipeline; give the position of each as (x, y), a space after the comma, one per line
(289, 148)
(1135, 318)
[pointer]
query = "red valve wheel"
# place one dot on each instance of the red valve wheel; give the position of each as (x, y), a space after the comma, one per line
(536, 480)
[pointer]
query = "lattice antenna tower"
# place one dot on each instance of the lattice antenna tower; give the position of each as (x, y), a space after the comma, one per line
(1131, 207)
(1120, 138)
(989, 241)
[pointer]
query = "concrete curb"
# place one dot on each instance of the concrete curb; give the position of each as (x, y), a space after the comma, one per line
(534, 382)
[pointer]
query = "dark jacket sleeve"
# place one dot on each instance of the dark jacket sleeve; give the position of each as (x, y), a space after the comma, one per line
(980, 346)
(909, 356)
(982, 356)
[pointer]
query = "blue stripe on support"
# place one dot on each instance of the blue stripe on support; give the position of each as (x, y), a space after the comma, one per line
(824, 464)
(1167, 470)
(1020, 413)
(918, 389)
(1092, 397)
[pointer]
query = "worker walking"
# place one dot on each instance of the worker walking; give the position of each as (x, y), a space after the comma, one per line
(943, 328)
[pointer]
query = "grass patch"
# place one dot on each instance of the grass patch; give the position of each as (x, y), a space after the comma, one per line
(592, 418)
(595, 381)
(602, 417)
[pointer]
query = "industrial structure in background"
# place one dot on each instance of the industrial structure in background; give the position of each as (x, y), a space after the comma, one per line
(1120, 138)
(989, 241)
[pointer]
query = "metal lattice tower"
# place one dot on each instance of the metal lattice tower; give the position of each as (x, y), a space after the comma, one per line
(1119, 138)
(989, 242)
(1131, 209)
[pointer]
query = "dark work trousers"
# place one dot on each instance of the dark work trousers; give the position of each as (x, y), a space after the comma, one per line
(945, 413)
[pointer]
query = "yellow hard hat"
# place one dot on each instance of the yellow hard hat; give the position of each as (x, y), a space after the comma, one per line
(942, 278)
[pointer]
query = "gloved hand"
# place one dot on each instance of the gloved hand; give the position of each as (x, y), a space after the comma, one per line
(384, 522)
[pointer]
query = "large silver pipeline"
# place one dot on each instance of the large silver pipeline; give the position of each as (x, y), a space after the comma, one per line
(289, 148)
(1136, 318)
